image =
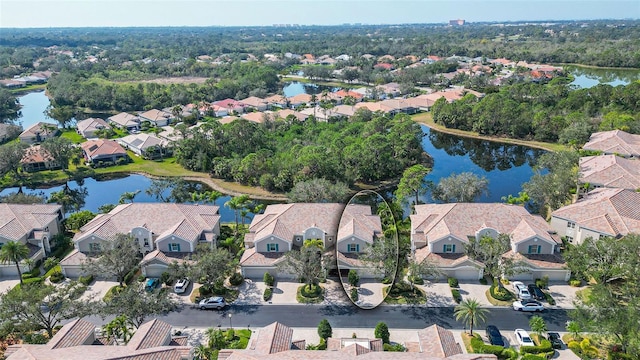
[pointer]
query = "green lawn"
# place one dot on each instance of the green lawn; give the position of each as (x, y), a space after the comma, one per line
(72, 135)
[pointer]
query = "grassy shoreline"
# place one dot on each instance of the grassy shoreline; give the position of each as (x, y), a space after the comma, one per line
(427, 120)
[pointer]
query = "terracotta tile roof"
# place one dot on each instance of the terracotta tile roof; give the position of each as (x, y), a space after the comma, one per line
(185, 221)
(95, 148)
(461, 220)
(286, 220)
(141, 141)
(74, 258)
(151, 334)
(286, 112)
(615, 212)
(76, 333)
(300, 98)
(610, 171)
(446, 260)
(91, 125)
(166, 258)
(20, 220)
(438, 341)
(125, 119)
(274, 338)
(358, 221)
(156, 115)
(254, 101)
(251, 257)
(40, 128)
(614, 142)
(36, 154)
(299, 345)
(256, 117)
(276, 99)
(539, 261)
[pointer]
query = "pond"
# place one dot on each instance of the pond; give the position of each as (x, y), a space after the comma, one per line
(296, 88)
(33, 109)
(109, 191)
(589, 77)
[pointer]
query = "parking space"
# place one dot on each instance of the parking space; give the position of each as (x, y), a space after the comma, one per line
(563, 294)
(98, 289)
(474, 290)
(438, 294)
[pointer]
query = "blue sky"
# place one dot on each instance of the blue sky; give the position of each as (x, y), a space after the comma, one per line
(81, 13)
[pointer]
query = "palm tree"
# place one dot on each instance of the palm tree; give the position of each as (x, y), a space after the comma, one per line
(128, 196)
(201, 352)
(470, 312)
(537, 325)
(14, 252)
(237, 203)
(213, 195)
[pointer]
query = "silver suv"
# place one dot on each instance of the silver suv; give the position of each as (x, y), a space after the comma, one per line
(216, 302)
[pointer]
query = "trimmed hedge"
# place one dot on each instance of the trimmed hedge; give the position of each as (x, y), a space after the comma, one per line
(354, 294)
(236, 279)
(394, 348)
(498, 295)
(456, 295)
(453, 282)
(268, 279)
(549, 298)
(545, 346)
(480, 347)
(533, 357)
(86, 280)
(267, 294)
(56, 277)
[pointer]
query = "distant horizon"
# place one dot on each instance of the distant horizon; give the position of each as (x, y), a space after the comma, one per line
(20, 14)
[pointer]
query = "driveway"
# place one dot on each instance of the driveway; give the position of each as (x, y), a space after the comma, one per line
(8, 282)
(438, 294)
(474, 290)
(564, 294)
(98, 289)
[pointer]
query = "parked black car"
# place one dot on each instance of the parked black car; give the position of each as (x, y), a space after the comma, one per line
(495, 338)
(536, 292)
(556, 340)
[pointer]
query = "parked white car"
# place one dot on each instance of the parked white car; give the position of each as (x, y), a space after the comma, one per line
(521, 291)
(216, 302)
(530, 305)
(523, 338)
(181, 286)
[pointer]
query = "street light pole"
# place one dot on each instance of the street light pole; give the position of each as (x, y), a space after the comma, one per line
(230, 325)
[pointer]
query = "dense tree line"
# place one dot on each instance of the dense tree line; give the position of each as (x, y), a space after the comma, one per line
(276, 155)
(551, 112)
(9, 106)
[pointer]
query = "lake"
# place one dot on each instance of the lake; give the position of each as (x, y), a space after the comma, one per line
(109, 191)
(296, 88)
(589, 77)
(33, 109)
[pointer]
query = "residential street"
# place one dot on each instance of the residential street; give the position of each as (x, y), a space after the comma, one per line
(399, 317)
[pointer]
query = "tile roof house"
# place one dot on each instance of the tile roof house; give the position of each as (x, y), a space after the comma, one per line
(284, 227)
(142, 143)
(358, 229)
(157, 117)
(610, 171)
(77, 340)
(258, 117)
(166, 227)
(275, 342)
(439, 233)
(615, 142)
(284, 114)
(125, 121)
(602, 212)
(299, 100)
(255, 103)
(232, 106)
(39, 132)
(88, 127)
(96, 151)
(37, 158)
(277, 101)
(33, 225)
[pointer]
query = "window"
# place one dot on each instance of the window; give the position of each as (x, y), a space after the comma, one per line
(570, 239)
(146, 242)
(571, 225)
(175, 247)
(353, 248)
(272, 247)
(94, 247)
(449, 248)
(534, 249)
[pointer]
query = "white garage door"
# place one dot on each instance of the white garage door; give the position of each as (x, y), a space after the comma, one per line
(72, 272)
(154, 271)
(562, 275)
(522, 276)
(9, 270)
(467, 273)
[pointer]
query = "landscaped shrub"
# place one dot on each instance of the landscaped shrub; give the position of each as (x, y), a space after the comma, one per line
(324, 329)
(382, 332)
(309, 296)
(141, 278)
(165, 278)
(268, 279)
(394, 347)
(575, 282)
(130, 276)
(453, 282)
(56, 277)
(354, 294)
(533, 357)
(85, 280)
(479, 347)
(549, 298)
(50, 263)
(386, 281)
(354, 278)
(456, 295)
(501, 294)
(614, 355)
(508, 353)
(236, 279)
(32, 280)
(543, 283)
(545, 346)
(483, 281)
(417, 280)
(267, 294)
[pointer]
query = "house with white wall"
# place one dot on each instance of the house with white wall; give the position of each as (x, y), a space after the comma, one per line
(169, 228)
(33, 225)
(440, 233)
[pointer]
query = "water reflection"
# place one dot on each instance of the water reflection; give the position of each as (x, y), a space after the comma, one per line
(589, 77)
(296, 88)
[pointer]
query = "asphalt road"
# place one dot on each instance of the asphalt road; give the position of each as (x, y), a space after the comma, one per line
(402, 317)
